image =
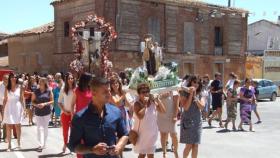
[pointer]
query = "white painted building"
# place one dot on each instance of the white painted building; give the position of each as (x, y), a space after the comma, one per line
(263, 35)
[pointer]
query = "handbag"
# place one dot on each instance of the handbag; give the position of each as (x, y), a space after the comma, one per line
(133, 135)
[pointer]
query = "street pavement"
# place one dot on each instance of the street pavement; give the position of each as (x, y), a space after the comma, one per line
(216, 142)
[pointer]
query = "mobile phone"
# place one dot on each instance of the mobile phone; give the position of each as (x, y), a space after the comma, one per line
(110, 147)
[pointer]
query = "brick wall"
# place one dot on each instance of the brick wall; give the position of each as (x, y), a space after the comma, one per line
(31, 53)
(130, 18)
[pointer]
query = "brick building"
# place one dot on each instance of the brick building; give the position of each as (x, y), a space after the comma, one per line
(3, 50)
(201, 37)
(32, 50)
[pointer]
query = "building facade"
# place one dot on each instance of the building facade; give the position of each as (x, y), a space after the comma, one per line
(263, 35)
(264, 40)
(201, 38)
(32, 50)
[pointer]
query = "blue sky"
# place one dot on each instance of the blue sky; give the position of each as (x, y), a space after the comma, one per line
(17, 15)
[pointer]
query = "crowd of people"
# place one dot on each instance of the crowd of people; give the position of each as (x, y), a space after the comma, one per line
(99, 118)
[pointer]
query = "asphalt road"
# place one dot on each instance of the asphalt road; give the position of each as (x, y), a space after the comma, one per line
(216, 142)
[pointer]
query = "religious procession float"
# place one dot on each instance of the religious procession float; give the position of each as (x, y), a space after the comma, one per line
(91, 55)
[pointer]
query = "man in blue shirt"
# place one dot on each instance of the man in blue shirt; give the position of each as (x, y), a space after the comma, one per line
(98, 126)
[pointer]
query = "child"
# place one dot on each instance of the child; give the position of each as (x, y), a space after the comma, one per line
(232, 99)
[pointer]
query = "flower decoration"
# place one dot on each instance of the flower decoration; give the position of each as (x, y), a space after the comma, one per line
(109, 34)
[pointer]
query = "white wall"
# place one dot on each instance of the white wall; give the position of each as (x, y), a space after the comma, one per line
(259, 33)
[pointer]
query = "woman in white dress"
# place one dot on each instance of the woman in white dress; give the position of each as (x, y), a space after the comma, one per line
(167, 121)
(13, 108)
(145, 121)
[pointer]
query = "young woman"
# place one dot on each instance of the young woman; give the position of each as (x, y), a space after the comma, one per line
(64, 102)
(191, 124)
(167, 121)
(82, 95)
(208, 96)
(28, 105)
(145, 121)
(255, 105)
(232, 99)
(118, 98)
(57, 111)
(247, 99)
(13, 108)
(42, 100)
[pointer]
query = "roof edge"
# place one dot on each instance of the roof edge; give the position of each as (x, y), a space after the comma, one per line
(46, 28)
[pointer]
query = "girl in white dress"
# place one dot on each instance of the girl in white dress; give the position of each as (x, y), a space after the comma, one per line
(13, 108)
(145, 121)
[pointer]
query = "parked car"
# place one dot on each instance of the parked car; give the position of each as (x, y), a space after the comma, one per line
(267, 89)
(277, 83)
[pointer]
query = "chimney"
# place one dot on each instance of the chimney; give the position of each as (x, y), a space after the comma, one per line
(278, 21)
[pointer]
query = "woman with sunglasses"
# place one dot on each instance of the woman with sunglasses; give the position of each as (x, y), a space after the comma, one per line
(145, 121)
(13, 108)
(191, 124)
(64, 102)
(247, 99)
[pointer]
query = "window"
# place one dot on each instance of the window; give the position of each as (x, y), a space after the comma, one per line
(189, 37)
(218, 37)
(66, 29)
(81, 33)
(267, 83)
(261, 84)
(154, 28)
(91, 31)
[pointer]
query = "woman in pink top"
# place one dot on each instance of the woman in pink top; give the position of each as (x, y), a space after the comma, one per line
(82, 95)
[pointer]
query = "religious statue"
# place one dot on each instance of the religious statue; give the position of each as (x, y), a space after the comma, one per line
(149, 56)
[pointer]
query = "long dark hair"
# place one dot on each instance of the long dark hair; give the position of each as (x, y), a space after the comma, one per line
(11, 75)
(84, 81)
(195, 78)
(112, 81)
(67, 86)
